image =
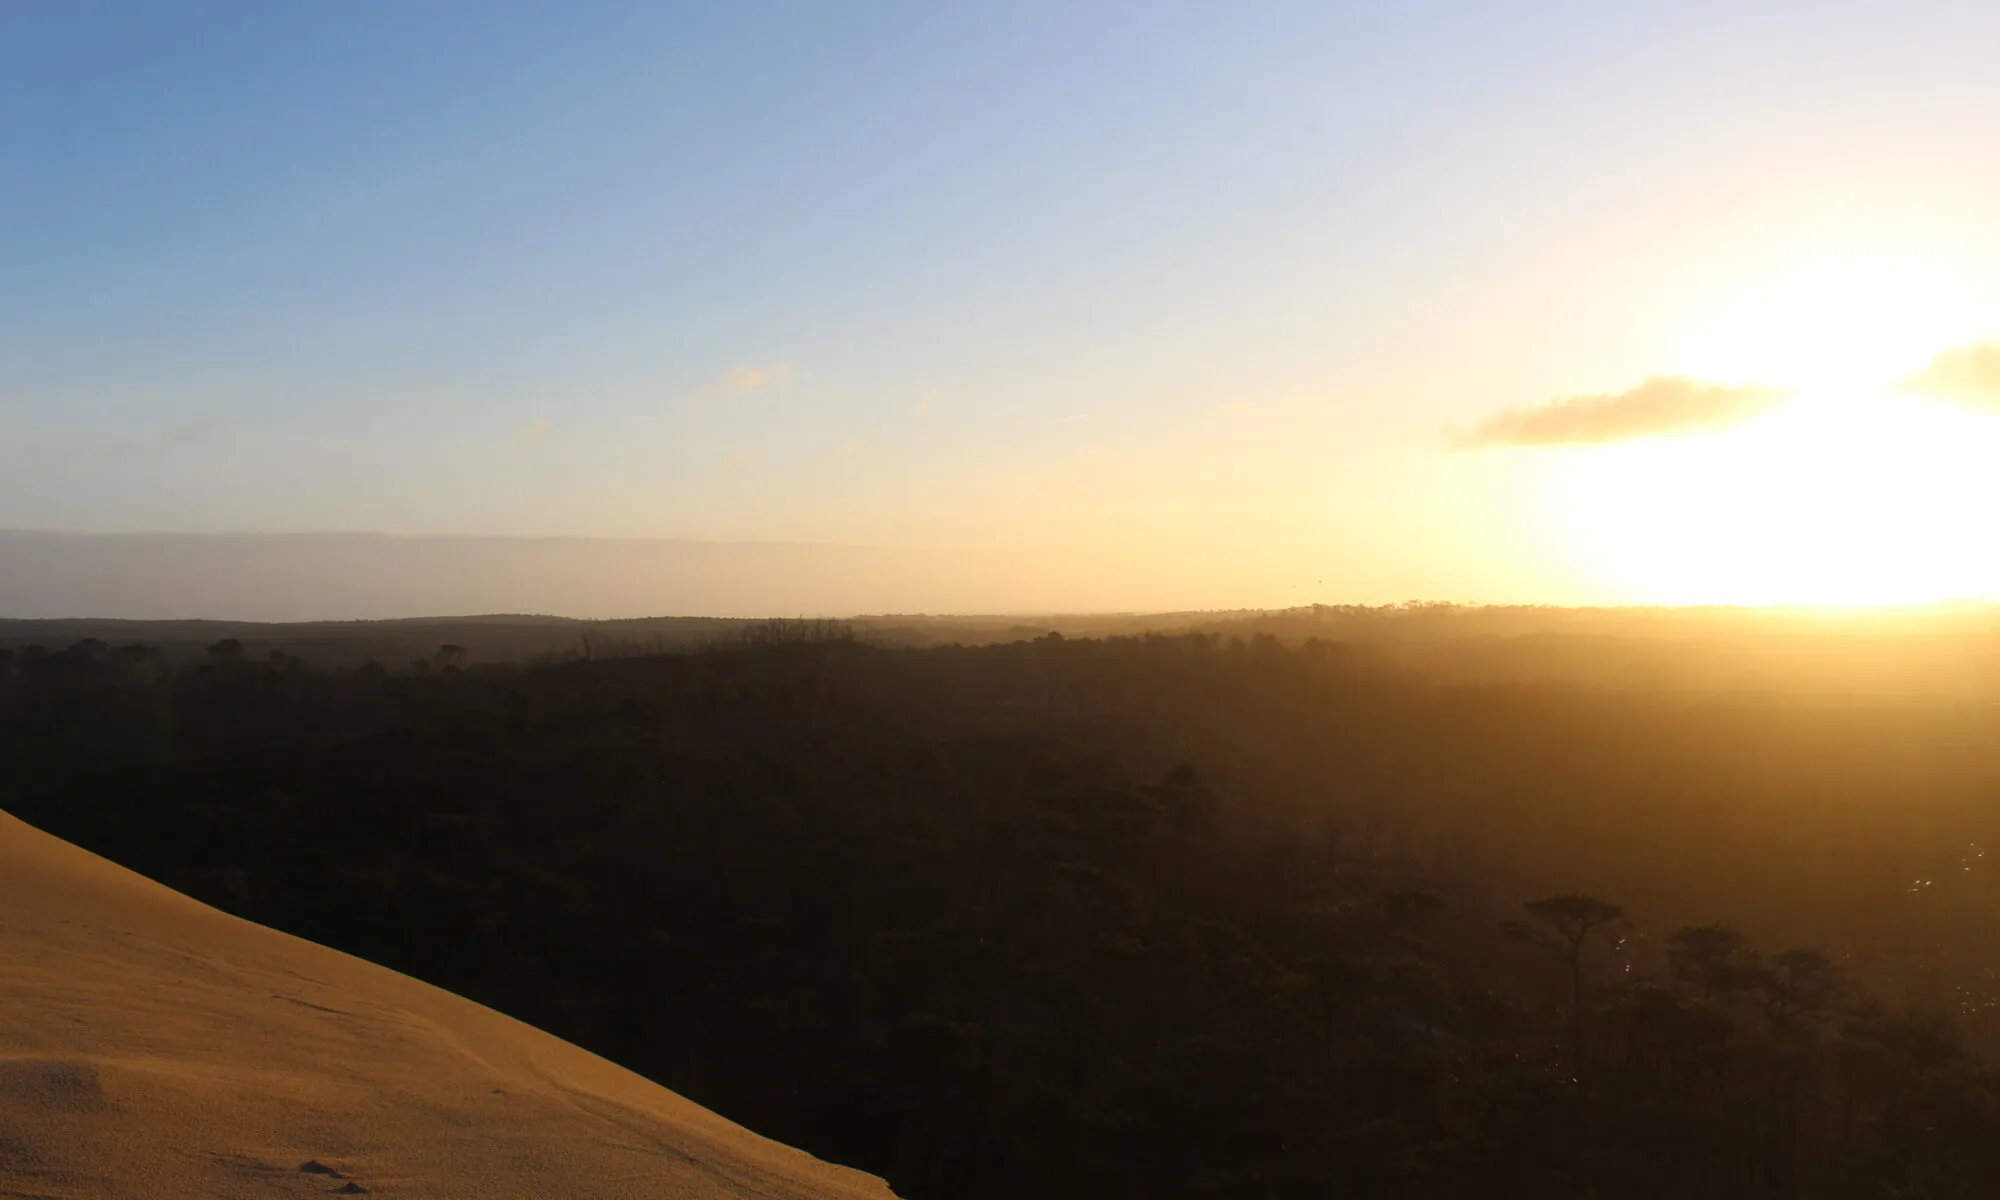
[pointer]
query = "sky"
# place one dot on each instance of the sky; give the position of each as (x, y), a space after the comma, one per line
(1095, 306)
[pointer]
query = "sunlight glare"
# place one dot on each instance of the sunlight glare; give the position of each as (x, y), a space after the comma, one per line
(1833, 499)
(1845, 322)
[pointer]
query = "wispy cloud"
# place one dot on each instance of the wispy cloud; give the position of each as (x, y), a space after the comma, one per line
(189, 432)
(749, 379)
(1967, 374)
(533, 432)
(1662, 404)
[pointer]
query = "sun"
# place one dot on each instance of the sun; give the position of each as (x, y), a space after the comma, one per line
(1846, 493)
(1832, 328)
(1833, 498)
(1839, 308)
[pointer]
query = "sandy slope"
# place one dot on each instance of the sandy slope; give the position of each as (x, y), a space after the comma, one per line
(152, 1046)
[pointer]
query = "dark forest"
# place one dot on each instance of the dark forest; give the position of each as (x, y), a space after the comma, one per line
(1141, 916)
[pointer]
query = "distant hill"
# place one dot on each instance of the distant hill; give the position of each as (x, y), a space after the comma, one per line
(392, 644)
(312, 577)
(1946, 649)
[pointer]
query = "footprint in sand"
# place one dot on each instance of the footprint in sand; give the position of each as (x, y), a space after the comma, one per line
(313, 1166)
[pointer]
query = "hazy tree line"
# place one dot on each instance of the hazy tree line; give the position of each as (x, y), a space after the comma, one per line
(1132, 917)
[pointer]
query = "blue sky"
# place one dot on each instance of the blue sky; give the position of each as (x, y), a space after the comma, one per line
(1162, 303)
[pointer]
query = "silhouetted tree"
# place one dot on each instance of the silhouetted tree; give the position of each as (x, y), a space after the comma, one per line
(1712, 959)
(1798, 986)
(1567, 925)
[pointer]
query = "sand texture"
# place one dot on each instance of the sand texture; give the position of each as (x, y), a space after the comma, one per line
(151, 1046)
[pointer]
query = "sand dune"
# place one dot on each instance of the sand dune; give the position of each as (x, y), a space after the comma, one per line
(153, 1046)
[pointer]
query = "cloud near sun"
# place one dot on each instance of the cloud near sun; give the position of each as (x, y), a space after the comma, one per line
(1967, 374)
(1662, 404)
